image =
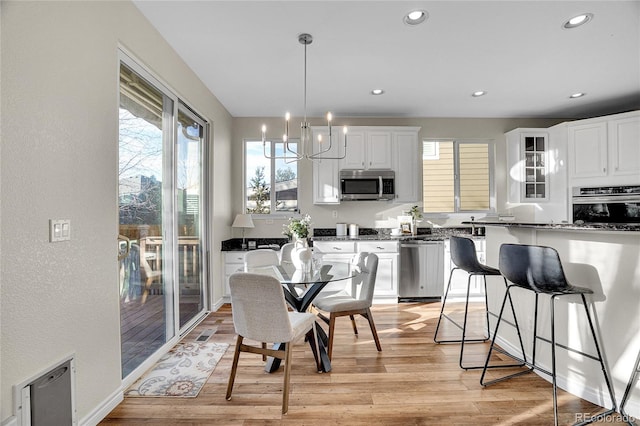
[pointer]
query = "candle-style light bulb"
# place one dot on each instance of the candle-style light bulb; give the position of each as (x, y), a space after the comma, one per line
(344, 130)
(319, 138)
(284, 137)
(329, 117)
(264, 131)
(287, 116)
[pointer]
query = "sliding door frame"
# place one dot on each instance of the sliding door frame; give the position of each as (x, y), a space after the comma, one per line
(170, 213)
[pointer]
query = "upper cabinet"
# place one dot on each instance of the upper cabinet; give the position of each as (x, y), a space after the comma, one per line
(624, 137)
(528, 165)
(368, 149)
(406, 163)
(588, 150)
(326, 188)
(605, 150)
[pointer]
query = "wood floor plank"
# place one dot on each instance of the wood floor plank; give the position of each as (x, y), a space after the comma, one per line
(413, 381)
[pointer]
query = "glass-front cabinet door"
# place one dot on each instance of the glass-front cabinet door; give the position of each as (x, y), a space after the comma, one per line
(535, 172)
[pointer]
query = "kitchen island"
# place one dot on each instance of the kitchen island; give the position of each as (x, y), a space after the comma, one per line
(604, 258)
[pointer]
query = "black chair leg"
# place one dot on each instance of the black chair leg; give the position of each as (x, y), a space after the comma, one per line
(444, 302)
(521, 362)
(604, 371)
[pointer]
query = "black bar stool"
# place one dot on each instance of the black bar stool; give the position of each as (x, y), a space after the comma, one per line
(538, 269)
(463, 255)
(627, 392)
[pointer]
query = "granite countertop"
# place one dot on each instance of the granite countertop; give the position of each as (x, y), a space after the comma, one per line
(369, 234)
(620, 227)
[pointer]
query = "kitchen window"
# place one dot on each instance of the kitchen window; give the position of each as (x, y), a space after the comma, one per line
(457, 176)
(270, 185)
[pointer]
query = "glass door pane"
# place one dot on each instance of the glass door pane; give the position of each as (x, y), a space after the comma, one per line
(190, 144)
(146, 313)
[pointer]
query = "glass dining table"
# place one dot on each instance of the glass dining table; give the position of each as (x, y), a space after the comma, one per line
(300, 288)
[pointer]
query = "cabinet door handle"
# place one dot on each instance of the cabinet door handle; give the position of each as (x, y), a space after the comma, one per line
(380, 248)
(337, 248)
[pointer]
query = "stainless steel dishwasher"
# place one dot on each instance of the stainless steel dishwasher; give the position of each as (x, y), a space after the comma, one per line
(421, 270)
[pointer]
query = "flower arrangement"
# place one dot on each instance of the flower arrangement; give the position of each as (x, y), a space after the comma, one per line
(298, 228)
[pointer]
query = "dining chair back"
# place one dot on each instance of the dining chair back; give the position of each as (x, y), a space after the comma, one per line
(285, 252)
(260, 257)
(260, 313)
(356, 302)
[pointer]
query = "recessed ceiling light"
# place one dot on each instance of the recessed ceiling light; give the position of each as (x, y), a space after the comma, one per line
(578, 20)
(577, 95)
(478, 93)
(377, 92)
(415, 17)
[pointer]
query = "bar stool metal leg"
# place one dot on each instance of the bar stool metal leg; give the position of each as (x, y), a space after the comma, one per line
(464, 340)
(627, 392)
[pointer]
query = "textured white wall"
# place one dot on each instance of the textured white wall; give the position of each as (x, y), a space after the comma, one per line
(59, 86)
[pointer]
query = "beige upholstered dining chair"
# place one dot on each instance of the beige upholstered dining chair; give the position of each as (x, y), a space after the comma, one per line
(285, 252)
(260, 313)
(260, 257)
(343, 303)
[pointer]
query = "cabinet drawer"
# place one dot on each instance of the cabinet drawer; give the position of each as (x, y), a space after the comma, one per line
(378, 246)
(233, 268)
(334, 246)
(234, 257)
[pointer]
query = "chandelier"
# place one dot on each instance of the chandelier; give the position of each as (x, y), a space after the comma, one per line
(304, 147)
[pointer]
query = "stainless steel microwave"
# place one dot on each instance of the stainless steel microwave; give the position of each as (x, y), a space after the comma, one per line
(363, 185)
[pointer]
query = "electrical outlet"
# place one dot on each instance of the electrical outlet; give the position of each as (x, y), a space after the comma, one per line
(334, 214)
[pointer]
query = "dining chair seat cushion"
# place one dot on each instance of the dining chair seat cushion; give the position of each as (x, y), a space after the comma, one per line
(301, 322)
(341, 301)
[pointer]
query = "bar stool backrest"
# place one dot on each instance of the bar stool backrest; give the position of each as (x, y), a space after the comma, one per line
(463, 254)
(535, 267)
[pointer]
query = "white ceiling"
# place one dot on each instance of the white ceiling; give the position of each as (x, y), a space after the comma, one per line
(247, 53)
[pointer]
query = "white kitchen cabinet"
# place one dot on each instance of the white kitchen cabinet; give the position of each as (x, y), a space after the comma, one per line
(368, 148)
(460, 277)
(386, 290)
(605, 150)
(406, 163)
(588, 150)
(527, 157)
(326, 184)
(335, 251)
(233, 262)
(624, 140)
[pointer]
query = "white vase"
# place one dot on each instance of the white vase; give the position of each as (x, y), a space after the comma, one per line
(301, 255)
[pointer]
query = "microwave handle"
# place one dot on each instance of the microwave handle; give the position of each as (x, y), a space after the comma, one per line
(380, 187)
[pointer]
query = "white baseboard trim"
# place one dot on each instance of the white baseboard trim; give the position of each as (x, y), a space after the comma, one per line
(10, 421)
(218, 304)
(102, 410)
(595, 396)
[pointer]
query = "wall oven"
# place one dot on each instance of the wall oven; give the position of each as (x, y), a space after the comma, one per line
(361, 185)
(606, 204)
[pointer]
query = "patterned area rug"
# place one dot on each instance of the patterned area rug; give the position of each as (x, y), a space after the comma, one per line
(180, 372)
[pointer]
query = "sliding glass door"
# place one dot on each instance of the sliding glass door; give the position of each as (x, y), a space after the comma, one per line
(160, 173)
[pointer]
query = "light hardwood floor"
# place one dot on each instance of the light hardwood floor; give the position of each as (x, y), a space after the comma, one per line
(413, 381)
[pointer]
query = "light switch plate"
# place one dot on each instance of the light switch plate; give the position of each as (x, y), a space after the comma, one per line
(59, 230)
